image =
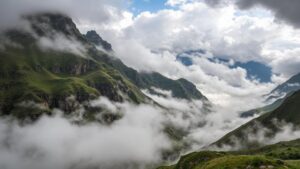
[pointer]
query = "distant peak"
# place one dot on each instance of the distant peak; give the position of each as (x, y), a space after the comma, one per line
(96, 39)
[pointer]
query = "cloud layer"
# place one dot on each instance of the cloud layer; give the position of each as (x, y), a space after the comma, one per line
(99, 11)
(56, 142)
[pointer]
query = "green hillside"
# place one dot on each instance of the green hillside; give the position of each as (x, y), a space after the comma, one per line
(288, 112)
(277, 156)
(50, 76)
(180, 88)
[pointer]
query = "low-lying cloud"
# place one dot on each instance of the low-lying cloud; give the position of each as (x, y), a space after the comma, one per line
(61, 43)
(56, 142)
(257, 135)
(137, 139)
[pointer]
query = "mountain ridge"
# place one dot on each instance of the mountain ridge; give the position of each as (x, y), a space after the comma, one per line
(49, 76)
(287, 112)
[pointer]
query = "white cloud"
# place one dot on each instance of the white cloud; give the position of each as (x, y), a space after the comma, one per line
(202, 127)
(259, 134)
(59, 42)
(100, 11)
(152, 41)
(55, 142)
(134, 141)
(175, 2)
(285, 61)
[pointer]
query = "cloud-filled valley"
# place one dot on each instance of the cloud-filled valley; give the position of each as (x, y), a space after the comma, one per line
(189, 76)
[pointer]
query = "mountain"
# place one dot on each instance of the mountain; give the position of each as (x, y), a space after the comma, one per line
(262, 110)
(180, 88)
(276, 156)
(269, 123)
(50, 76)
(55, 66)
(277, 96)
(94, 38)
(291, 85)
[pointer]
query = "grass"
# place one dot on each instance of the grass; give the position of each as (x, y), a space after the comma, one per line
(294, 163)
(219, 160)
(277, 156)
(288, 112)
(46, 76)
(241, 162)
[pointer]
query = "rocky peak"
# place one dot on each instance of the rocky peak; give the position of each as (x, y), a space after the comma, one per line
(94, 38)
(46, 24)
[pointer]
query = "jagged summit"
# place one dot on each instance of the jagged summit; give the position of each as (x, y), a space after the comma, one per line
(47, 23)
(94, 38)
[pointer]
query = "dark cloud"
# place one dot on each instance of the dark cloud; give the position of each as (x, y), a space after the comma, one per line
(284, 10)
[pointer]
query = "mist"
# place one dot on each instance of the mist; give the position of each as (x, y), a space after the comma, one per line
(258, 135)
(135, 140)
(53, 142)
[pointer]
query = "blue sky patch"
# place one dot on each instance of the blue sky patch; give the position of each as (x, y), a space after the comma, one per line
(139, 6)
(255, 70)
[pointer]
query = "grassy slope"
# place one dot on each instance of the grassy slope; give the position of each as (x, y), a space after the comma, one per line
(180, 88)
(288, 111)
(280, 155)
(49, 77)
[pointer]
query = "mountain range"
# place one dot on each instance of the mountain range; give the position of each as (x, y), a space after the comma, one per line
(52, 65)
(250, 140)
(34, 71)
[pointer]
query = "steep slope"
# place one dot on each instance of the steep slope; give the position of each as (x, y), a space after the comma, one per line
(180, 88)
(94, 38)
(286, 150)
(280, 155)
(55, 66)
(270, 123)
(291, 85)
(262, 110)
(37, 70)
(277, 95)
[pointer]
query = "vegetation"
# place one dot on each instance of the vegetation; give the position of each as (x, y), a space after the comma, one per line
(48, 76)
(277, 156)
(287, 112)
